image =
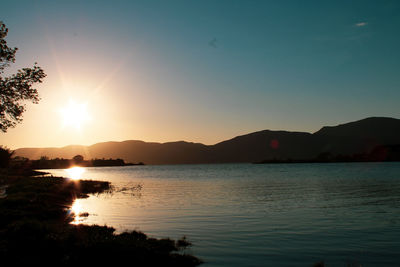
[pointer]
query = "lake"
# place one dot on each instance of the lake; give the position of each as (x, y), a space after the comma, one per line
(257, 215)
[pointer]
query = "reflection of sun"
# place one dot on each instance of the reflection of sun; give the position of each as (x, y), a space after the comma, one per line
(76, 207)
(75, 173)
(77, 210)
(74, 115)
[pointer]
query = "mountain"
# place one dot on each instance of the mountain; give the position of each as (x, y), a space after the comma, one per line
(264, 145)
(358, 137)
(379, 128)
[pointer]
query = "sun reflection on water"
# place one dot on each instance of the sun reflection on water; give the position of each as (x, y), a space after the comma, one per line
(75, 173)
(77, 210)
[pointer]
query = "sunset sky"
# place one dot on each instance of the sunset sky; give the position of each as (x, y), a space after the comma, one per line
(201, 71)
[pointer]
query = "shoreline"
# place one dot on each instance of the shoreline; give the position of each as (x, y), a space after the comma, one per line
(35, 228)
(289, 161)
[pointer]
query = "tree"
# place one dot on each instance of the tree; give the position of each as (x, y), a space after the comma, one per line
(5, 156)
(78, 159)
(16, 88)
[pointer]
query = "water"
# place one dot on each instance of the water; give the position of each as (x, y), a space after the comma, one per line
(258, 215)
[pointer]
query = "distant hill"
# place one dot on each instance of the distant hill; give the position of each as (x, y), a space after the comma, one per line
(347, 139)
(380, 128)
(359, 136)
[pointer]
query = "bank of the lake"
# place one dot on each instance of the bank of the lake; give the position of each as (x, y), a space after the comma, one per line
(35, 229)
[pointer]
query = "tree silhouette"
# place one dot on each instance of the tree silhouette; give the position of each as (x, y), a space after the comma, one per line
(16, 88)
(5, 156)
(78, 159)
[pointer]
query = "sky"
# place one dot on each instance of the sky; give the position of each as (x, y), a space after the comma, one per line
(201, 71)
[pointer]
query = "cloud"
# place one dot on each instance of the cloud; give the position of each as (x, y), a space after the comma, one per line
(360, 24)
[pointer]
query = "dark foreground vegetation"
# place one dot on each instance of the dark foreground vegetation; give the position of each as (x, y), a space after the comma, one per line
(35, 229)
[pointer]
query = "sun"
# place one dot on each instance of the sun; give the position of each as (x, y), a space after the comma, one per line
(75, 115)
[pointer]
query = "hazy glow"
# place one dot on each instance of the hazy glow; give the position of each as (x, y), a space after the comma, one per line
(75, 115)
(75, 173)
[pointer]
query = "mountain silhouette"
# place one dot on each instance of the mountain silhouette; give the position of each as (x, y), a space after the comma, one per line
(360, 136)
(363, 136)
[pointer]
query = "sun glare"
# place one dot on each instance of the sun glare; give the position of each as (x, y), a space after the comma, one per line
(77, 210)
(75, 173)
(75, 115)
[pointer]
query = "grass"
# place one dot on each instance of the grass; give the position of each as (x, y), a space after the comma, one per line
(35, 229)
